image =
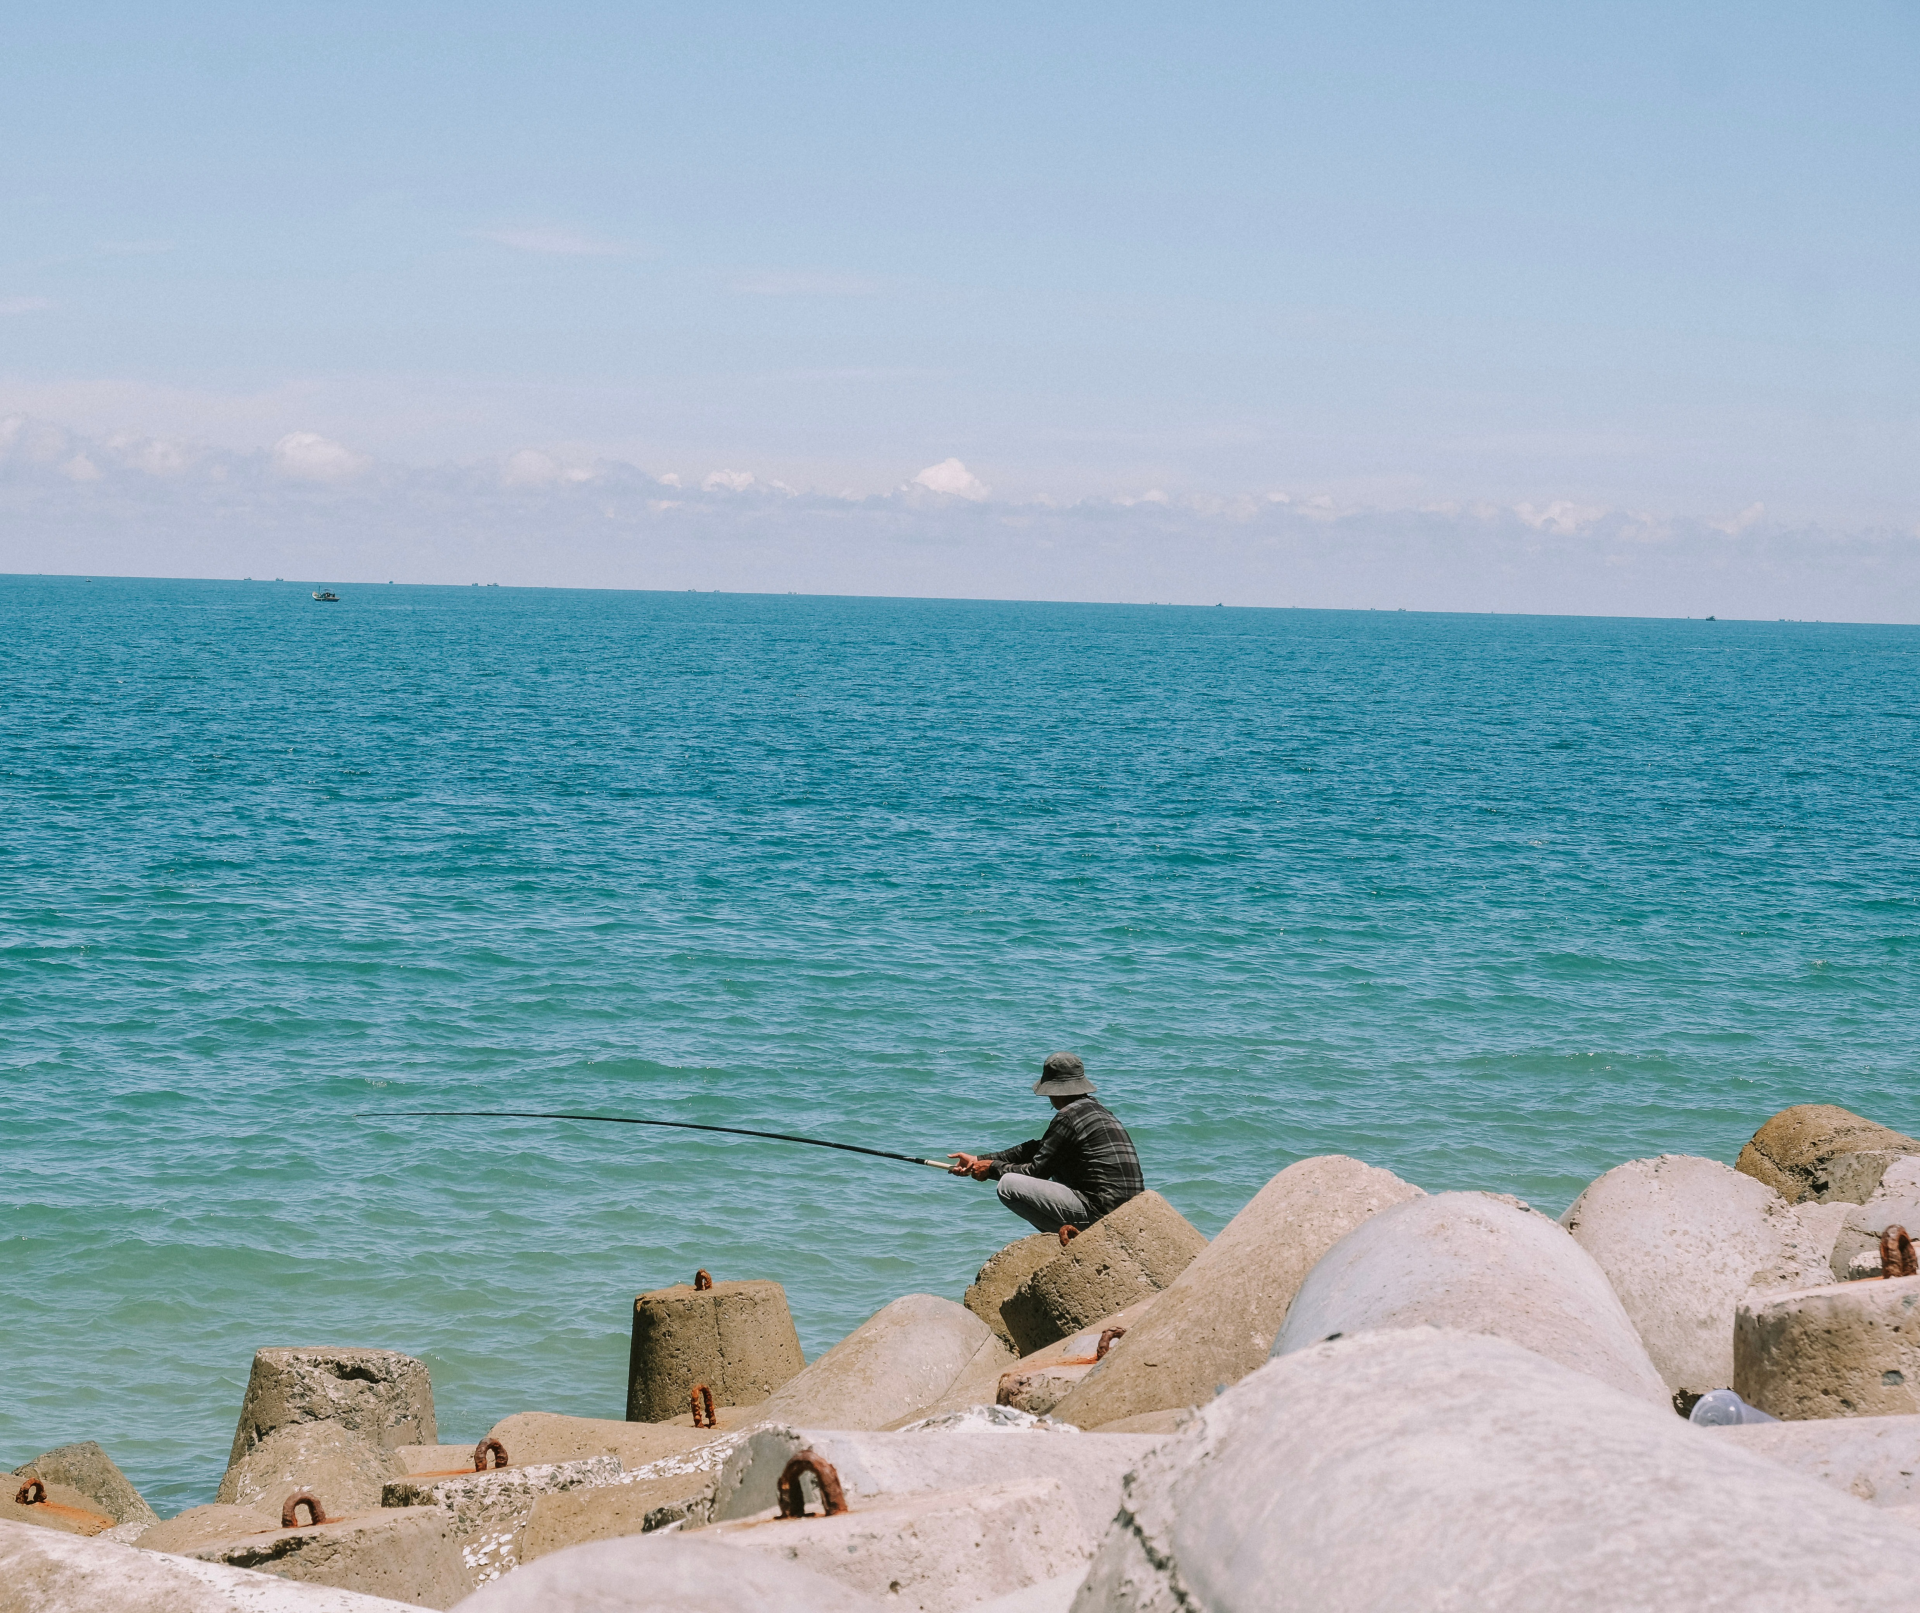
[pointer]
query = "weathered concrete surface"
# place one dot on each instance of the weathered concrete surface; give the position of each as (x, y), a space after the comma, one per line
(1049, 1596)
(1089, 1467)
(978, 1383)
(1039, 1382)
(901, 1359)
(1217, 1321)
(87, 1469)
(1840, 1350)
(544, 1436)
(1874, 1458)
(416, 1459)
(64, 1509)
(737, 1338)
(406, 1556)
(1821, 1224)
(1170, 1421)
(1004, 1272)
(1473, 1262)
(1815, 1151)
(611, 1511)
(1421, 1470)
(490, 1510)
(45, 1572)
(1682, 1240)
(381, 1394)
(665, 1574)
(934, 1553)
(186, 1532)
(346, 1470)
(1120, 1260)
(1856, 1246)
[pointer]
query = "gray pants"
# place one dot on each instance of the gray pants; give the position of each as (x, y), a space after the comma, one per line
(1047, 1205)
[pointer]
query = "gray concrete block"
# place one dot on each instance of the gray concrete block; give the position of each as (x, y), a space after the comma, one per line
(1421, 1470)
(544, 1436)
(1049, 1596)
(408, 1556)
(1682, 1240)
(490, 1510)
(438, 1459)
(1874, 1458)
(86, 1468)
(1856, 1246)
(1816, 1151)
(42, 1571)
(1821, 1224)
(1003, 1273)
(347, 1471)
(1473, 1262)
(1839, 1350)
(978, 1383)
(1217, 1320)
(665, 1574)
(874, 1465)
(934, 1553)
(737, 1338)
(1120, 1260)
(381, 1394)
(612, 1511)
(1039, 1382)
(187, 1531)
(901, 1359)
(62, 1508)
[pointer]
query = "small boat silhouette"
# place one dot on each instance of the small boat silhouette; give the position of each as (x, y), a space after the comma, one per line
(326, 596)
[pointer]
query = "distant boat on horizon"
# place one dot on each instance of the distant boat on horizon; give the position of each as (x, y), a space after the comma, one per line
(326, 596)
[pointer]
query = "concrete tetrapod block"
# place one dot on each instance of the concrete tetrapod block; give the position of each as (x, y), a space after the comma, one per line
(1815, 1151)
(1120, 1260)
(934, 1553)
(490, 1509)
(1482, 1265)
(1821, 1224)
(1840, 1350)
(346, 1470)
(1422, 1470)
(736, 1338)
(545, 1436)
(1856, 1246)
(1217, 1321)
(1874, 1458)
(978, 1383)
(1039, 1382)
(1089, 1467)
(1682, 1240)
(611, 1511)
(187, 1531)
(1006, 1269)
(86, 1468)
(64, 1508)
(665, 1574)
(407, 1556)
(381, 1394)
(902, 1358)
(45, 1572)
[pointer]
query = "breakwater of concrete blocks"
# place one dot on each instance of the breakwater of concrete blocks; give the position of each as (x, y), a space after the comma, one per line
(1359, 1396)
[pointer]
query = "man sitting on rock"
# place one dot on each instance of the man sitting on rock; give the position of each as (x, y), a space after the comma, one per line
(1085, 1167)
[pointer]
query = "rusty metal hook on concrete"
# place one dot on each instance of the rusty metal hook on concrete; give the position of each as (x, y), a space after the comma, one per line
(702, 1393)
(486, 1448)
(1067, 1235)
(793, 1499)
(290, 1510)
(1107, 1340)
(1897, 1257)
(27, 1496)
(702, 1280)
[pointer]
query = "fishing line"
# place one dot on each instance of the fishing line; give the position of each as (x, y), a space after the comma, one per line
(674, 1125)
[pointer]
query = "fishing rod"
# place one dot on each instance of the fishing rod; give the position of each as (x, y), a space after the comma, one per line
(674, 1125)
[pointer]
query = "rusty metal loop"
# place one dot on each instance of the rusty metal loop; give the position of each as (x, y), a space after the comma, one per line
(1897, 1257)
(1067, 1235)
(793, 1499)
(702, 1280)
(702, 1393)
(290, 1509)
(486, 1448)
(1107, 1342)
(27, 1497)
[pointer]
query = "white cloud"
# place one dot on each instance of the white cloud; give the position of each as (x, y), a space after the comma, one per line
(800, 283)
(532, 468)
(950, 476)
(306, 456)
(80, 469)
(728, 481)
(1563, 518)
(1740, 522)
(157, 456)
(24, 305)
(558, 243)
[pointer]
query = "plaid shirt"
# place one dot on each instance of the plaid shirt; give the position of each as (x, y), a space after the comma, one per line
(1085, 1149)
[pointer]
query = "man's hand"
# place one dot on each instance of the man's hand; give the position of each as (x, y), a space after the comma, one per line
(970, 1165)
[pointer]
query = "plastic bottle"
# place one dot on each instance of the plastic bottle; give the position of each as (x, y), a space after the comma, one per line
(1722, 1408)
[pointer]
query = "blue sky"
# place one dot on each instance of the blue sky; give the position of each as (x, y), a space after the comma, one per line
(1651, 261)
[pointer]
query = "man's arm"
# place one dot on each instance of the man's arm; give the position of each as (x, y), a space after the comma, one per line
(982, 1167)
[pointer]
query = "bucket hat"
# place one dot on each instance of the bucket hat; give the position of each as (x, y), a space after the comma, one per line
(1063, 1076)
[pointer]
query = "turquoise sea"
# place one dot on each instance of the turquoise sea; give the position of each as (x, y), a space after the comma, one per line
(1492, 901)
